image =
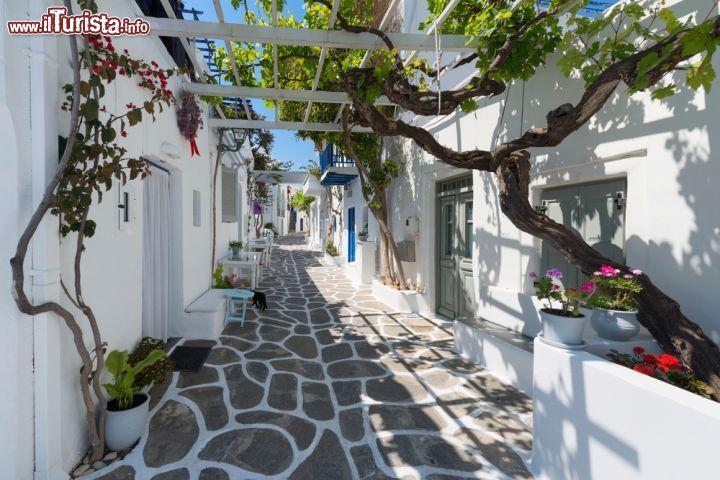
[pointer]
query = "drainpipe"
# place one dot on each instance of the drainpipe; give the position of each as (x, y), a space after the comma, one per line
(44, 254)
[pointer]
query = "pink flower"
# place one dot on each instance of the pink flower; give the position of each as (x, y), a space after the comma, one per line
(588, 287)
(532, 275)
(554, 288)
(636, 271)
(554, 273)
(597, 274)
(608, 271)
(628, 276)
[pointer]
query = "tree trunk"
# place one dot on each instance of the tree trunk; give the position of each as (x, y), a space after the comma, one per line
(17, 264)
(659, 313)
(398, 272)
(385, 273)
(328, 205)
(379, 214)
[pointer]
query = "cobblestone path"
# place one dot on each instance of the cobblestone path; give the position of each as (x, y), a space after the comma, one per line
(326, 384)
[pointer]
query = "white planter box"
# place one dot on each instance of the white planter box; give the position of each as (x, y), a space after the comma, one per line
(597, 420)
(401, 301)
(312, 187)
(338, 261)
(204, 318)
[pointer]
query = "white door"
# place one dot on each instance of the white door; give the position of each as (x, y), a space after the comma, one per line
(156, 254)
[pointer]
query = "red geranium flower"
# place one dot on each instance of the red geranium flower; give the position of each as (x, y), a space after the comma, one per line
(123, 133)
(667, 360)
(651, 359)
(644, 369)
(638, 350)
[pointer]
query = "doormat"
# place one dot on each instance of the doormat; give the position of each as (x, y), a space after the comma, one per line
(189, 359)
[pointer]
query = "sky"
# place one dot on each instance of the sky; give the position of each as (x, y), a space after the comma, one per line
(287, 146)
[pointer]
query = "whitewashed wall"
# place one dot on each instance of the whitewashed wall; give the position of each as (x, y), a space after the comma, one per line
(16, 342)
(112, 264)
(593, 419)
(672, 230)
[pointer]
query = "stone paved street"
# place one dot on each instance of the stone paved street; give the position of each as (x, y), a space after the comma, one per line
(326, 384)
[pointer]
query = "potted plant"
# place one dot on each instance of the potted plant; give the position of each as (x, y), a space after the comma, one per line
(562, 321)
(271, 227)
(615, 303)
(363, 234)
(235, 246)
(664, 367)
(152, 374)
(222, 281)
(127, 409)
(331, 249)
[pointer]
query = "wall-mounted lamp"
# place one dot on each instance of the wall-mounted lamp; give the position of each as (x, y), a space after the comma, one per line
(620, 200)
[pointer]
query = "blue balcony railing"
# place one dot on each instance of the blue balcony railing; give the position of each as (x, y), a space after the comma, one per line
(330, 157)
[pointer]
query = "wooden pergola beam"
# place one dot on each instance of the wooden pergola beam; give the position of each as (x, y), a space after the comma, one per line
(237, 32)
(281, 125)
(231, 91)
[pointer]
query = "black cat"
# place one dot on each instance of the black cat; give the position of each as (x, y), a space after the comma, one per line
(258, 300)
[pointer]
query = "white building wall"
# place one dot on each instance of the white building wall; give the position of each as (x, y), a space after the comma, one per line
(228, 231)
(16, 342)
(112, 263)
(672, 231)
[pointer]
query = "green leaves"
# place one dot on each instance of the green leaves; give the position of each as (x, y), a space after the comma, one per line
(701, 75)
(468, 105)
(301, 201)
(134, 116)
(660, 93)
(118, 365)
(117, 362)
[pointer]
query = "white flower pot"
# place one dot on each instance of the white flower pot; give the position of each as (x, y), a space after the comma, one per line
(124, 427)
(615, 324)
(562, 331)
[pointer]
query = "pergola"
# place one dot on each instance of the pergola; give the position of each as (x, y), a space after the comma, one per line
(185, 30)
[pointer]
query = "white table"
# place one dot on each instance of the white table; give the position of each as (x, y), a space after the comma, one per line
(264, 246)
(245, 260)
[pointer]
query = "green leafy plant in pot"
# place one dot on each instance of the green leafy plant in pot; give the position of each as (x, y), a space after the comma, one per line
(127, 409)
(235, 246)
(331, 249)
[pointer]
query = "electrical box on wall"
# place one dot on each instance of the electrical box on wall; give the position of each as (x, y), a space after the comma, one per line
(413, 225)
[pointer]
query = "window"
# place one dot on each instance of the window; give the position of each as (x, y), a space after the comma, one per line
(229, 195)
(468, 229)
(449, 230)
(594, 211)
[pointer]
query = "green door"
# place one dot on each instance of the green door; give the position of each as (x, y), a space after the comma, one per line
(596, 212)
(455, 281)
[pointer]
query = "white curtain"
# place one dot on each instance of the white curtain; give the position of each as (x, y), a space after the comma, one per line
(156, 255)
